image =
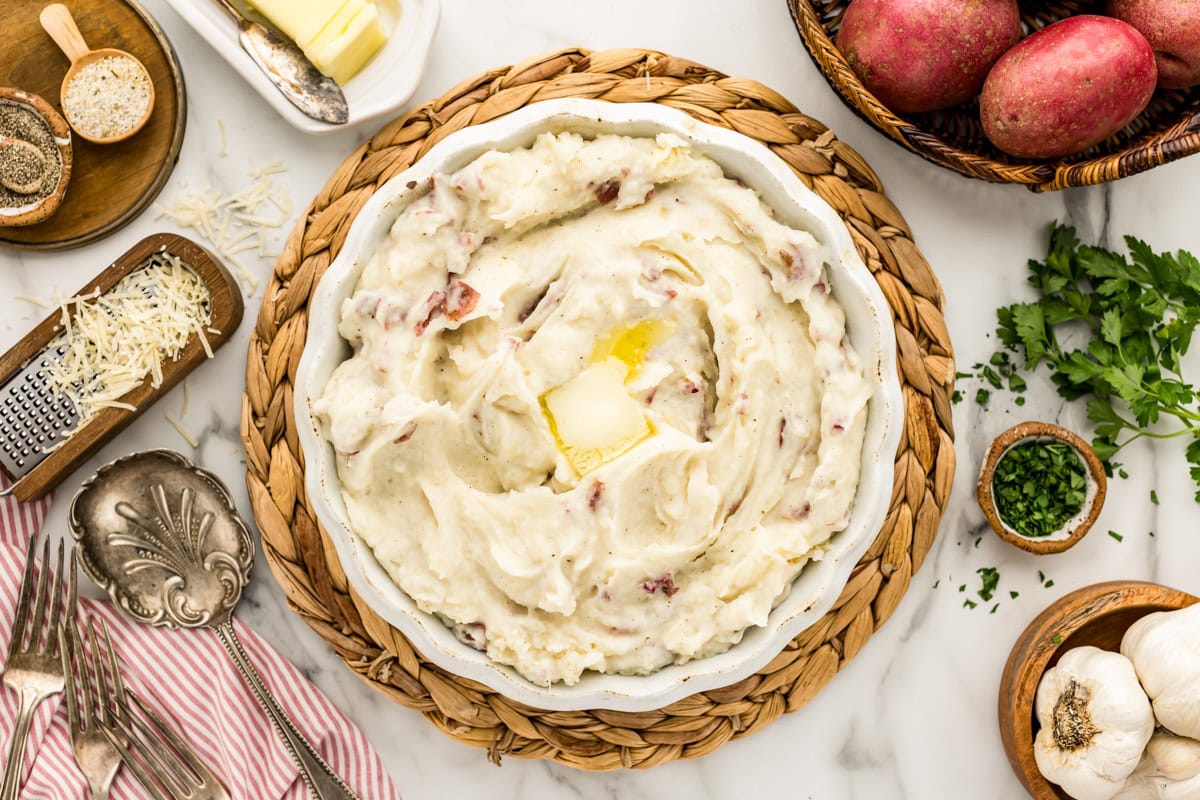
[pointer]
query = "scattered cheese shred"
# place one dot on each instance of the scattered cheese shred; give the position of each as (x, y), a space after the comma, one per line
(33, 301)
(221, 128)
(237, 223)
(184, 432)
(112, 342)
(208, 351)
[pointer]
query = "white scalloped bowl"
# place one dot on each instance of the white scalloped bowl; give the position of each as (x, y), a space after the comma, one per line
(869, 326)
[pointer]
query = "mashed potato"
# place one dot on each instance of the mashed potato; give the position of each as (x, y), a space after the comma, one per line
(602, 408)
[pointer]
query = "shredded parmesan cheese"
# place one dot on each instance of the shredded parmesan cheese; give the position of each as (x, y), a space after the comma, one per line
(112, 342)
(184, 432)
(238, 223)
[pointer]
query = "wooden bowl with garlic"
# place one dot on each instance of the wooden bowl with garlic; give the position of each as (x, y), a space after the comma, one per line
(1102, 693)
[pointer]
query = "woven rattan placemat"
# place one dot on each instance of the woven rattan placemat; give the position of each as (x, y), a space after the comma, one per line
(306, 565)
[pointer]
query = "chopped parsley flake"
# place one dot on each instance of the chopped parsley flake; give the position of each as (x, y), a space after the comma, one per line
(1039, 486)
(990, 578)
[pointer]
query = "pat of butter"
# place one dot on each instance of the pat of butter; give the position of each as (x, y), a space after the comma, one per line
(338, 36)
(630, 343)
(301, 20)
(347, 43)
(593, 418)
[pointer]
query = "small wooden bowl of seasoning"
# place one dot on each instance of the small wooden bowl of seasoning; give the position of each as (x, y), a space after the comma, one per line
(1041, 487)
(107, 94)
(35, 158)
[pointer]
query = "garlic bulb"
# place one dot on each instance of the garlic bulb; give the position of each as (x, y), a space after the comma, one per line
(1138, 788)
(1165, 650)
(1095, 721)
(1170, 770)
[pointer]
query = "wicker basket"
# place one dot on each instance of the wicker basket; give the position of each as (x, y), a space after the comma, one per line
(1167, 130)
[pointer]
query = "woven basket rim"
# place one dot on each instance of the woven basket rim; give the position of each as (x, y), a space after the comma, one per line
(302, 558)
(1150, 149)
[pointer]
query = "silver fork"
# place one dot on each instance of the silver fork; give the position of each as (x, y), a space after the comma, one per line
(87, 712)
(34, 669)
(162, 762)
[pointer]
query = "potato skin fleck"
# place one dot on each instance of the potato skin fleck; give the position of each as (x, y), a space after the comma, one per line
(1067, 87)
(922, 55)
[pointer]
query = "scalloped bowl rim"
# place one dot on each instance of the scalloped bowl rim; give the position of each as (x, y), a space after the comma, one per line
(818, 586)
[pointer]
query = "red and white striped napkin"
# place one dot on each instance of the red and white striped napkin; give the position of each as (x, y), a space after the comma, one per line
(186, 677)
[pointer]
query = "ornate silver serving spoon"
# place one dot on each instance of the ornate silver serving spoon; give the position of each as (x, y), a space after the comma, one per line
(163, 538)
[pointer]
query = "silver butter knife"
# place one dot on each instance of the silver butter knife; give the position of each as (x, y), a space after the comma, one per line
(317, 95)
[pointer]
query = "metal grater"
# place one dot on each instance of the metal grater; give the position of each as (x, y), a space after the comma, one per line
(33, 416)
(41, 440)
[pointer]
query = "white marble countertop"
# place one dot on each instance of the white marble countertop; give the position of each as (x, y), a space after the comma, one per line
(914, 714)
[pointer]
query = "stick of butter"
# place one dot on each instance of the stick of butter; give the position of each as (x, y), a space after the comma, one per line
(338, 36)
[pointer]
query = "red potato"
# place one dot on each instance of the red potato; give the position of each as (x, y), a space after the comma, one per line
(922, 55)
(1067, 87)
(1173, 29)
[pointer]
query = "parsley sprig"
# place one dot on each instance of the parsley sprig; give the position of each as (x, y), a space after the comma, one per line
(1139, 313)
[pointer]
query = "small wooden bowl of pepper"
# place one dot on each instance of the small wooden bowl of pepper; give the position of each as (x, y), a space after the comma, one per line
(27, 117)
(1041, 487)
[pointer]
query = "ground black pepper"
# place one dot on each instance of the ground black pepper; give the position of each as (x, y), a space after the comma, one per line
(22, 166)
(21, 122)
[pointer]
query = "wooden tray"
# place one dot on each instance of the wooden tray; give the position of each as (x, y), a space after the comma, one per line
(226, 316)
(110, 184)
(305, 564)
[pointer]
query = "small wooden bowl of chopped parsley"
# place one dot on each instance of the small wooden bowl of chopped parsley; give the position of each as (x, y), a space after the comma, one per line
(1041, 487)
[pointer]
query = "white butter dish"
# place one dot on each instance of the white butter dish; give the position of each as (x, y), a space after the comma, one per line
(387, 82)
